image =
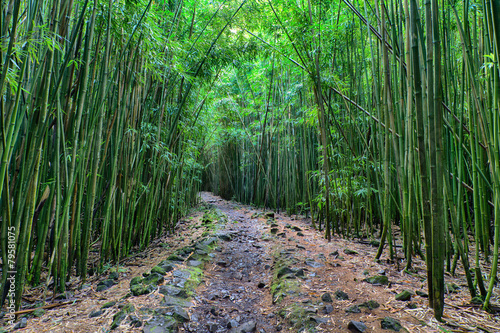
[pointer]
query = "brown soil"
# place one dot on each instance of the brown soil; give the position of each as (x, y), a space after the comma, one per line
(237, 283)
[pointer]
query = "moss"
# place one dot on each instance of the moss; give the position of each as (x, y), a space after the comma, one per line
(300, 317)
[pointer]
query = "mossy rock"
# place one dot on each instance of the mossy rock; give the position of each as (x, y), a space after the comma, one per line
(135, 280)
(142, 289)
(175, 257)
(389, 323)
(377, 280)
(153, 279)
(108, 305)
(370, 305)
(118, 318)
(159, 270)
(405, 295)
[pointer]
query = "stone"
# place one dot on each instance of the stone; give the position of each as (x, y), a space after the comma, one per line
(212, 327)
(326, 297)
(118, 318)
(349, 251)
(160, 324)
(261, 285)
(135, 280)
(377, 280)
(405, 295)
(389, 323)
(96, 313)
(341, 296)
(313, 263)
(22, 323)
(222, 263)
(353, 309)
(370, 305)
(328, 309)
(153, 279)
(175, 257)
(194, 263)
(108, 305)
(170, 290)
(300, 273)
(167, 265)
(169, 300)
(159, 270)
(356, 326)
(274, 231)
(179, 313)
(244, 328)
(421, 293)
(142, 289)
(269, 215)
(318, 320)
(232, 323)
(300, 234)
(182, 273)
(284, 271)
(411, 305)
(113, 276)
(294, 228)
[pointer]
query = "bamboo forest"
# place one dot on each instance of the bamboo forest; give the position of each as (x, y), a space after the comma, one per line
(250, 165)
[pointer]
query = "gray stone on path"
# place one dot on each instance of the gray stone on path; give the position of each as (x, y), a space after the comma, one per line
(356, 326)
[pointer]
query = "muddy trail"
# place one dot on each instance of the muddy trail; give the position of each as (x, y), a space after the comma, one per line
(234, 268)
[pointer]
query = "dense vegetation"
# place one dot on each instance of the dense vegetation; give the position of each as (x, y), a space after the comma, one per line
(373, 117)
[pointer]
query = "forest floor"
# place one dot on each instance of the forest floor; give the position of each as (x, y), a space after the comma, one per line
(234, 268)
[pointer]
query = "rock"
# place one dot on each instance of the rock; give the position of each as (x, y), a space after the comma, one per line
(421, 293)
(313, 263)
(174, 257)
(405, 295)
(300, 234)
(118, 318)
(135, 321)
(113, 276)
(170, 290)
(38, 313)
(232, 323)
(274, 231)
(341, 296)
(269, 215)
(246, 327)
(326, 297)
(374, 243)
(194, 263)
(261, 285)
(214, 311)
(182, 273)
(108, 305)
(294, 228)
(370, 305)
(167, 265)
(142, 289)
(135, 280)
(178, 313)
(356, 326)
(159, 270)
(353, 309)
(328, 309)
(349, 251)
(96, 313)
(301, 247)
(300, 273)
(389, 323)
(22, 323)
(334, 254)
(67, 295)
(377, 280)
(169, 300)
(153, 279)
(284, 271)
(160, 324)
(381, 272)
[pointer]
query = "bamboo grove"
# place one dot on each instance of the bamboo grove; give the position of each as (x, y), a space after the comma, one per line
(379, 119)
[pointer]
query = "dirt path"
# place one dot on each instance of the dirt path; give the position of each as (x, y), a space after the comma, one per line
(233, 268)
